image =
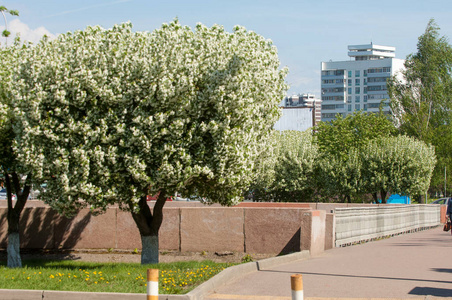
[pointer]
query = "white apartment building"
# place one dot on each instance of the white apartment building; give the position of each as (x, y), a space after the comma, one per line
(305, 101)
(360, 83)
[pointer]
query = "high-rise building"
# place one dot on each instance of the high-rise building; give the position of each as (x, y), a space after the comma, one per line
(360, 83)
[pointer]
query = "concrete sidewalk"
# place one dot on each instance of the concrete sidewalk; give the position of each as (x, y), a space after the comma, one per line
(414, 266)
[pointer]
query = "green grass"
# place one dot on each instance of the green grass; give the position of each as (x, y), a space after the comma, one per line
(174, 278)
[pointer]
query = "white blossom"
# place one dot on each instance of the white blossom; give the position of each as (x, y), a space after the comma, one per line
(110, 115)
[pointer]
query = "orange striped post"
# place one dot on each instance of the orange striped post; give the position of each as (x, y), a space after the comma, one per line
(153, 284)
(296, 283)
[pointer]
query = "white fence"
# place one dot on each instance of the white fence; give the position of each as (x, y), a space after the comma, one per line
(366, 223)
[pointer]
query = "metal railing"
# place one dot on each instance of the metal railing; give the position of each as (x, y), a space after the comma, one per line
(354, 225)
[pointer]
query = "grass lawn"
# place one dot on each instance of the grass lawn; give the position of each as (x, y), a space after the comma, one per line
(174, 278)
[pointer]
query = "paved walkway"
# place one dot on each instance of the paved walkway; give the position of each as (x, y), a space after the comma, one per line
(407, 266)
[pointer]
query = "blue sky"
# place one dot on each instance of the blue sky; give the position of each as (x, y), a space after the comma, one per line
(305, 32)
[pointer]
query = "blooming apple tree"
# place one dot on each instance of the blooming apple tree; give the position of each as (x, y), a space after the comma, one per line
(108, 116)
(400, 164)
(14, 178)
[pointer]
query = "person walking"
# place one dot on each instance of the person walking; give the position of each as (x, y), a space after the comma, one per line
(449, 211)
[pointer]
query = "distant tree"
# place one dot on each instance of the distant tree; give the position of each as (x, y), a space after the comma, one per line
(340, 178)
(264, 170)
(340, 142)
(401, 165)
(15, 179)
(354, 131)
(421, 96)
(296, 155)
(110, 116)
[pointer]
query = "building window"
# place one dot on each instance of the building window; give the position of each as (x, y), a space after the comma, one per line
(357, 107)
(357, 98)
(365, 98)
(373, 105)
(349, 99)
(379, 70)
(377, 97)
(365, 81)
(328, 106)
(333, 90)
(357, 73)
(377, 88)
(333, 98)
(378, 79)
(365, 73)
(357, 81)
(357, 90)
(349, 91)
(349, 74)
(329, 115)
(349, 107)
(365, 107)
(349, 82)
(332, 72)
(365, 89)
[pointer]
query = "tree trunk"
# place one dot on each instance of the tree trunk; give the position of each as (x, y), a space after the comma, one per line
(383, 196)
(150, 249)
(375, 196)
(421, 199)
(13, 248)
(149, 224)
(347, 199)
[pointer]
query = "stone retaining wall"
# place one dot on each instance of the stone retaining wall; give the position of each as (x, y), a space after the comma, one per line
(271, 228)
(250, 230)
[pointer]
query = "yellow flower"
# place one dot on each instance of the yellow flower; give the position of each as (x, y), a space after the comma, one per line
(51, 276)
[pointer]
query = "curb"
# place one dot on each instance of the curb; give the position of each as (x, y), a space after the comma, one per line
(224, 277)
(233, 273)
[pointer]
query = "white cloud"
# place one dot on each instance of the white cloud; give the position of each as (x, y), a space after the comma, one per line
(25, 32)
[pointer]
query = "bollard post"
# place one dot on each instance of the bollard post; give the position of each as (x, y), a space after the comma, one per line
(153, 284)
(296, 283)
